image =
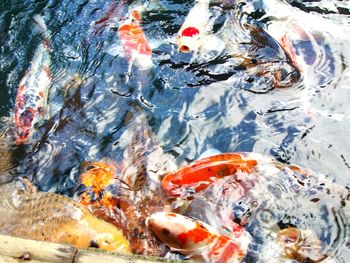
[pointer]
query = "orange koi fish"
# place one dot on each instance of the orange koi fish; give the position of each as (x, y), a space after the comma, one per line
(201, 173)
(31, 100)
(135, 45)
(194, 28)
(195, 238)
(97, 178)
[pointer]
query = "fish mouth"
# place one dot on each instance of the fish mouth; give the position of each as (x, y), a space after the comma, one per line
(94, 244)
(184, 49)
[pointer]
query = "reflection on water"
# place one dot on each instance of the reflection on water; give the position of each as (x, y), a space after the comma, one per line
(279, 88)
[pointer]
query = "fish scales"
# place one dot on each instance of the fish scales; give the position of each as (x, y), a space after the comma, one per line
(55, 218)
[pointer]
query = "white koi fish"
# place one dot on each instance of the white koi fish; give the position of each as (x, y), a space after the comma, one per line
(31, 100)
(195, 28)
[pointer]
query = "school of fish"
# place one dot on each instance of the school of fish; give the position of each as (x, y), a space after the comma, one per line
(128, 207)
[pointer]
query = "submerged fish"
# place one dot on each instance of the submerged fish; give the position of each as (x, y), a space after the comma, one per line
(195, 238)
(135, 44)
(311, 46)
(31, 100)
(126, 193)
(300, 245)
(55, 218)
(201, 173)
(273, 194)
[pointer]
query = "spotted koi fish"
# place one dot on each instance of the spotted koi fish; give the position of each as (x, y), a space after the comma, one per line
(194, 28)
(32, 94)
(135, 45)
(201, 173)
(195, 238)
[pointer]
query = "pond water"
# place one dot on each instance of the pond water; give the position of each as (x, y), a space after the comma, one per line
(280, 88)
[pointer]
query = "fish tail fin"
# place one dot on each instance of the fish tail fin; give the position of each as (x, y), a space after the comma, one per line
(40, 25)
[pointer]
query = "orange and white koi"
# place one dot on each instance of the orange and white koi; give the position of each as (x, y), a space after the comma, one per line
(31, 100)
(135, 44)
(195, 238)
(195, 27)
(201, 173)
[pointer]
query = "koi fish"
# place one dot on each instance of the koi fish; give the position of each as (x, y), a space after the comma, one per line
(308, 45)
(32, 94)
(195, 238)
(134, 42)
(201, 173)
(300, 245)
(97, 178)
(55, 218)
(194, 28)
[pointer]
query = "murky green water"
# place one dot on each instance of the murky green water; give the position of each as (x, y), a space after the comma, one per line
(192, 102)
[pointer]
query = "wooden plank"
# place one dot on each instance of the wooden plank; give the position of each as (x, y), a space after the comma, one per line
(85, 256)
(20, 248)
(6, 259)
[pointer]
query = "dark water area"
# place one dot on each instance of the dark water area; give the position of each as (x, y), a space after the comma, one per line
(231, 101)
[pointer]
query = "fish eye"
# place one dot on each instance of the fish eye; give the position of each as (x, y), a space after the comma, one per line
(165, 231)
(94, 244)
(106, 242)
(90, 167)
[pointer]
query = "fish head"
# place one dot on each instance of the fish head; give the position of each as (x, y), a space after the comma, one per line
(189, 39)
(180, 232)
(289, 236)
(108, 237)
(93, 232)
(171, 185)
(98, 175)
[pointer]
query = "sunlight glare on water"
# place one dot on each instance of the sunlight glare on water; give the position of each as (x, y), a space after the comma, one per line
(272, 79)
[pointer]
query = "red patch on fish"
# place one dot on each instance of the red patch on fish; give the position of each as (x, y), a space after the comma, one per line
(47, 71)
(195, 235)
(225, 250)
(136, 15)
(190, 32)
(134, 39)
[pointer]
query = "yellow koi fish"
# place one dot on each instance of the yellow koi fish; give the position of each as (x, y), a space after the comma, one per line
(45, 216)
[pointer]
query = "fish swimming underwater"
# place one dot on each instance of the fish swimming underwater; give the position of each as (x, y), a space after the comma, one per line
(268, 196)
(301, 245)
(32, 94)
(127, 192)
(248, 49)
(97, 178)
(201, 173)
(45, 216)
(134, 42)
(195, 238)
